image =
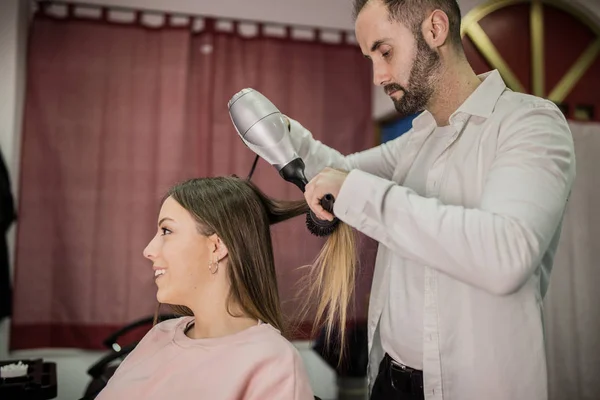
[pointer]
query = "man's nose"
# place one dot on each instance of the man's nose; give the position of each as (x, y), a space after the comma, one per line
(381, 75)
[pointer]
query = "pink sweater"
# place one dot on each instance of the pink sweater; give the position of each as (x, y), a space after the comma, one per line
(257, 363)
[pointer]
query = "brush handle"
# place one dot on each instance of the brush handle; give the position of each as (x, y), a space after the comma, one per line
(327, 202)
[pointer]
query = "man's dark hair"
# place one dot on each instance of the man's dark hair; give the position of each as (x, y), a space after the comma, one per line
(412, 12)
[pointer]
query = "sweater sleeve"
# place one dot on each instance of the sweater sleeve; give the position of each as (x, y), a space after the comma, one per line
(280, 377)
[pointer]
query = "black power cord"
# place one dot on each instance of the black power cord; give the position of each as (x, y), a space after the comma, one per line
(253, 168)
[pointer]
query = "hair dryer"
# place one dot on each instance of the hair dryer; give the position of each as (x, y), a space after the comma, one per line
(264, 130)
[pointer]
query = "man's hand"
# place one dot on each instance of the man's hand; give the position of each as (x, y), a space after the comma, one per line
(327, 181)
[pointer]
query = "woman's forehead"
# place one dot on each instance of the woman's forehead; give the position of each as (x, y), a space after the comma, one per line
(172, 209)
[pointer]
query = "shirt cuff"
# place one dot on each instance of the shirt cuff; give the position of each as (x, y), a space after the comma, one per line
(359, 189)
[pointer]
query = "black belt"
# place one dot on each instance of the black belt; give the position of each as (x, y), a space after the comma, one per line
(402, 378)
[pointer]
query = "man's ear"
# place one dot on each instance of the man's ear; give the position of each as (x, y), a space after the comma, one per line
(217, 247)
(436, 29)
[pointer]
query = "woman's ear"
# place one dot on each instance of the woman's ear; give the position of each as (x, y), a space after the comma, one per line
(217, 247)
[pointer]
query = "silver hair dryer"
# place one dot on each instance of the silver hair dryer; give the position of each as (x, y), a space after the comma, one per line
(264, 130)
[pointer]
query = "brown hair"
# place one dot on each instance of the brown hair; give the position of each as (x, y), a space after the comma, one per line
(413, 12)
(240, 214)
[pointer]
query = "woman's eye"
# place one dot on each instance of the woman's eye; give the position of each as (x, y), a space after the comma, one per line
(165, 231)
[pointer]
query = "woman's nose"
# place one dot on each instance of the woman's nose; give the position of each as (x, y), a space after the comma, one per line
(150, 250)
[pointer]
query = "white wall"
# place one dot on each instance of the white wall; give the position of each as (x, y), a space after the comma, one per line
(13, 25)
(13, 38)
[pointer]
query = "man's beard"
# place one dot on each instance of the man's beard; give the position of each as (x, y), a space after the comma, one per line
(420, 83)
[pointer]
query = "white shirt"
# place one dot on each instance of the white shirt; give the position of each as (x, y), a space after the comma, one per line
(402, 315)
(484, 237)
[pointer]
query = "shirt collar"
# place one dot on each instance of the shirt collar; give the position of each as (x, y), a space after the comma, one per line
(423, 121)
(480, 103)
(483, 100)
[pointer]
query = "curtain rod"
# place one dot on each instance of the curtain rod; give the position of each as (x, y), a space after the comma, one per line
(189, 15)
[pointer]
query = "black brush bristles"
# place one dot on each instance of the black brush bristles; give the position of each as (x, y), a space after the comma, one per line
(320, 227)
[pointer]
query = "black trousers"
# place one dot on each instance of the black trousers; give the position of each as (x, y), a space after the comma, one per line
(394, 383)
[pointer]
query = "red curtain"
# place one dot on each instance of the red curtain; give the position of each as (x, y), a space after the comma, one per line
(116, 114)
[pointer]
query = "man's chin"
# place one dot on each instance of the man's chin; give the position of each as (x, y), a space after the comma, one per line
(407, 107)
(405, 111)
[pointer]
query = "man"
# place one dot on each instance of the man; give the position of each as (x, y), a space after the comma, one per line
(467, 208)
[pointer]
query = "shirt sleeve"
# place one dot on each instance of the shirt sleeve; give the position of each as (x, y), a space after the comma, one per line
(379, 161)
(498, 245)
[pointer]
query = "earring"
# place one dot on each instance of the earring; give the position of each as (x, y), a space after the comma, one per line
(214, 264)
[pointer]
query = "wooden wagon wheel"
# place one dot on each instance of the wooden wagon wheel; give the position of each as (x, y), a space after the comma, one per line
(563, 43)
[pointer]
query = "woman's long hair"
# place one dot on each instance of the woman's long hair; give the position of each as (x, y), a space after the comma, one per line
(241, 215)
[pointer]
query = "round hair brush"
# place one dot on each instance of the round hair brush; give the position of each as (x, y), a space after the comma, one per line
(322, 227)
(263, 129)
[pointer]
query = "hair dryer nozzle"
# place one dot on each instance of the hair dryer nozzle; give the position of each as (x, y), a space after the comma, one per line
(262, 127)
(294, 172)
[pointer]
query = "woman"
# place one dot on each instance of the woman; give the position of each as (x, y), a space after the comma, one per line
(213, 262)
